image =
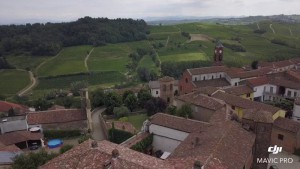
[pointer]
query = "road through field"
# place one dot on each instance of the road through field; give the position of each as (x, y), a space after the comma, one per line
(272, 28)
(32, 85)
(86, 59)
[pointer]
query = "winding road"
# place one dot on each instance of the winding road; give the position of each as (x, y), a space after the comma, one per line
(272, 28)
(98, 132)
(29, 87)
(86, 59)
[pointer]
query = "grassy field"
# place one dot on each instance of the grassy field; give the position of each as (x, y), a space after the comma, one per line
(184, 57)
(147, 62)
(92, 79)
(69, 61)
(23, 62)
(114, 57)
(137, 120)
(13, 81)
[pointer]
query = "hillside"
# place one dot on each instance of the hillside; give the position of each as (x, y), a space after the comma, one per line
(169, 50)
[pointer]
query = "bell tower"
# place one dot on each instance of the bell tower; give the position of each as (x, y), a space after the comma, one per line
(219, 50)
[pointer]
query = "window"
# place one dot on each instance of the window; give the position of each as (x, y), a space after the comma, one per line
(186, 80)
(171, 87)
(212, 77)
(248, 94)
(264, 88)
(280, 137)
(235, 83)
(196, 79)
(289, 93)
(271, 89)
(220, 76)
(164, 87)
(168, 99)
(233, 107)
(204, 78)
(156, 92)
(295, 94)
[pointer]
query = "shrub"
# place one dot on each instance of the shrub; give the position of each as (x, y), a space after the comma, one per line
(260, 31)
(123, 119)
(83, 138)
(185, 111)
(65, 148)
(144, 144)
(121, 111)
(51, 134)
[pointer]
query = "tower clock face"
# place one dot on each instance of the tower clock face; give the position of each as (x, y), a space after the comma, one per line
(220, 51)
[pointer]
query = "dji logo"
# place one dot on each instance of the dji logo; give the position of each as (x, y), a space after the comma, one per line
(275, 149)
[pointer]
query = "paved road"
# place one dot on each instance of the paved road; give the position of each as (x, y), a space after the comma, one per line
(28, 88)
(97, 133)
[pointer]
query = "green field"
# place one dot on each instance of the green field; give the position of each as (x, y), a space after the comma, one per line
(137, 120)
(23, 62)
(114, 57)
(184, 57)
(12, 81)
(92, 79)
(69, 61)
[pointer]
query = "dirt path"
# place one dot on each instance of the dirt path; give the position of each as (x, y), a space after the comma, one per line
(86, 59)
(272, 28)
(29, 87)
(167, 42)
(291, 32)
(258, 26)
(40, 65)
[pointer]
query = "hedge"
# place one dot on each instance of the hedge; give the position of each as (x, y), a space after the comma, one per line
(118, 136)
(144, 144)
(51, 134)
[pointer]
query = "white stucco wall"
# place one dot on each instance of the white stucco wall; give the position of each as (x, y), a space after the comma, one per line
(154, 91)
(294, 93)
(208, 76)
(166, 139)
(164, 143)
(296, 112)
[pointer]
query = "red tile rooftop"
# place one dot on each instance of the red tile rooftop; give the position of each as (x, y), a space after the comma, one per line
(18, 136)
(20, 109)
(287, 124)
(84, 156)
(56, 116)
(239, 90)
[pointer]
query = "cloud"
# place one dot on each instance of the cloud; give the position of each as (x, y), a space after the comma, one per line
(12, 11)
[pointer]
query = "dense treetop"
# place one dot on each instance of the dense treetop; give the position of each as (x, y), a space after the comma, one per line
(47, 39)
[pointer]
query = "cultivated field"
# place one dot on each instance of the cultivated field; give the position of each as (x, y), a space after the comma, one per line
(23, 62)
(69, 61)
(114, 57)
(13, 81)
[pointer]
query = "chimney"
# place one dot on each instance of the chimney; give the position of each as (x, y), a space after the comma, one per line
(198, 165)
(115, 153)
(94, 144)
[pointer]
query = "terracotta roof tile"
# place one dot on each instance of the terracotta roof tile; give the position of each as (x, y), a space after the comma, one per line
(166, 79)
(258, 115)
(178, 123)
(10, 148)
(259, 81)
(199, 99)
(206, 70)
(56, 116)
(220, 147)
(20, 109)
(287, 124)
(84, 156)
(244, 103)
(154, 84)
(212, 83)
(18, 136)
(239, 90)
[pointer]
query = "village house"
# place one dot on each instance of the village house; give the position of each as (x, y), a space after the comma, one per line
(296, 109)
(202, 105)
(5, 107)
(165, 88)
(286, 134)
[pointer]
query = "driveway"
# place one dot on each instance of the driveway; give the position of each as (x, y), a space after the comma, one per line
(98, 131)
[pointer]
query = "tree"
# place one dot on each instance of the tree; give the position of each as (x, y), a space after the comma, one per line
(112, 100)
(77, 86)
(131, 102)
(121, 111)
(42, 104)
(126, 93)
(185, 111)
(32, 160)
(155, 105)
(11, 112)
(254, 64)
(97, 98)
(143, 96)
(172, 110)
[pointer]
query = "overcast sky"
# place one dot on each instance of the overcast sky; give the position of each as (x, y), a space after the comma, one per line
(24, 11)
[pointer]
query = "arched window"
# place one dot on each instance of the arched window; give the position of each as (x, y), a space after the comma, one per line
(186, 80)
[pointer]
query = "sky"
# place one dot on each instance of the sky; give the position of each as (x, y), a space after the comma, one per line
(29, 11)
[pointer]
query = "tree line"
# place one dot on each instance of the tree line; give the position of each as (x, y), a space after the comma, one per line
(47, 39)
